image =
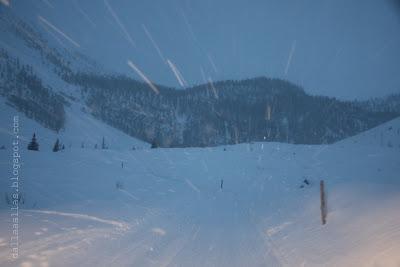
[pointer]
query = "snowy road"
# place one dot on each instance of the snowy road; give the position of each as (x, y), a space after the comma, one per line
(166, 208)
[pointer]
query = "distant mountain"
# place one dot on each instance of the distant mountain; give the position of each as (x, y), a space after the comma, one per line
(225, 112)
(43, 80)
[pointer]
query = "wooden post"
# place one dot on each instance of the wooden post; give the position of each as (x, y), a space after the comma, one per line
(323, 202)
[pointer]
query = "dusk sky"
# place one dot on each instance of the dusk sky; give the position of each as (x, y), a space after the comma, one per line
(341, 48)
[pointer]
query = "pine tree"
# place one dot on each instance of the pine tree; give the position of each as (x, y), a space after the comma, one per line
(56, 146)
(33, 145)
(154, 144)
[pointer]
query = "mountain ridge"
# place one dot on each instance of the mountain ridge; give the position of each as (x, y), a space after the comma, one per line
(210, 114)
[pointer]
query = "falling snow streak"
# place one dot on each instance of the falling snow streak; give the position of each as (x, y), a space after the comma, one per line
(191, 185)
(212, 63)
(203, 75)
(189, 27)
(32, 37)
(290, 56)
(213, 88)
(191, 32)
(58, 31)
(120, 24)
(268, 113)
(196, 42)
(141, 74)
(46, 28)
(177, 73)
(84, 14)
(153, 43)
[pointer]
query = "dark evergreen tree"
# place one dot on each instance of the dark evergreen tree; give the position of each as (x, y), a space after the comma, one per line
(33, 145)
(154, 144)
(63, 147)
(56, 146)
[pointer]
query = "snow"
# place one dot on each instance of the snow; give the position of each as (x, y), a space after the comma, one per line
(387, 135)
(164, 207)
(80, 127)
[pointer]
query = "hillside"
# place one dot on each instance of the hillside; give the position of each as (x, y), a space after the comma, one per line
(165, 207)
(42, 78)
(226, 112)
(106, 165)
(81, 129)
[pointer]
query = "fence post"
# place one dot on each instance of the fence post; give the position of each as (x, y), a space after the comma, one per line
(323, 202)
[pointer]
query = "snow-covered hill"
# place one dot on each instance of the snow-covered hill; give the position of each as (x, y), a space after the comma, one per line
(165, 207)
(42, 71)
(25, 50)
(80, 129)
(386, 135)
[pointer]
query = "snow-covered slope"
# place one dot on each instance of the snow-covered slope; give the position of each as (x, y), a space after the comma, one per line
(24, 47)
(80, 128)
(385, 135)
(165, 207)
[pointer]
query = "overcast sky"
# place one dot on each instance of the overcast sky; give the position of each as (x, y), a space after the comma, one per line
(343, 48)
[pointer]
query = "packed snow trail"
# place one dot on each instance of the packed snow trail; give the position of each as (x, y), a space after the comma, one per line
(165, 207)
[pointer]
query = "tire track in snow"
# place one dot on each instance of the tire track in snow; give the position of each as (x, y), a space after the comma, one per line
(117, 224)
(40, 252)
